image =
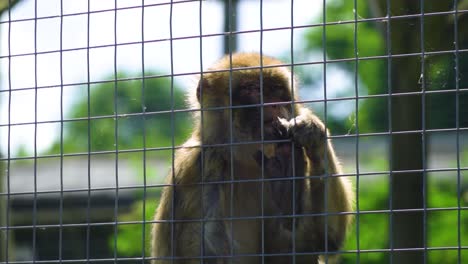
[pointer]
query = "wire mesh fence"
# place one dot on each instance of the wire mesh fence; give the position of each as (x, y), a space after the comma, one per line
(96, 132)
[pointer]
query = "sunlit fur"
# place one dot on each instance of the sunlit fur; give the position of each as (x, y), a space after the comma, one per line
(231, 213)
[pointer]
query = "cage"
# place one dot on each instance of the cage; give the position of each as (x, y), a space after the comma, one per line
(93, 112)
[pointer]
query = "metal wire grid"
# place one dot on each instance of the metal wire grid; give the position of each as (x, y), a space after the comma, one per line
(325, 61)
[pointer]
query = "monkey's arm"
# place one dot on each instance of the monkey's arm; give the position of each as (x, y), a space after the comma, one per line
(308, 131)
(180, 200)
(215, 235)
(191, 202)
(161, 244)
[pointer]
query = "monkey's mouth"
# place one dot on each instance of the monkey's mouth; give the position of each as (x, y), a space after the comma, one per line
(271, 130)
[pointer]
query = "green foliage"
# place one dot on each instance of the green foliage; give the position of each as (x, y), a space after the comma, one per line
(442, 225)
(339, 38)
(127, 99)
(132, 238)
(339, 41)
(441, 107)
(345, 42)
(367, 39)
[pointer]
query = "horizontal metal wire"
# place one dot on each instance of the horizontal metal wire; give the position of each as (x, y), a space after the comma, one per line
(97, 11)
(150, 149)
(129, 187)
(14, 195)
(222, 34)
(195, 110)
(259, 217)
(384, 250)
(402, 55)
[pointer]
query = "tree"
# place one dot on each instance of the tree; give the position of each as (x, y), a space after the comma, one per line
(413, 72)
(144, 113)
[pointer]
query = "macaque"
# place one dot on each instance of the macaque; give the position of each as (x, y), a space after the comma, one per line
(258, 178)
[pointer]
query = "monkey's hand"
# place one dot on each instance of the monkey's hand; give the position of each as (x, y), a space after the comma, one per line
(309, 132)
(305, 129)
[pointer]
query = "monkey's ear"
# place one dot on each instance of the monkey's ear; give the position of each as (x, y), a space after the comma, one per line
(202, 88)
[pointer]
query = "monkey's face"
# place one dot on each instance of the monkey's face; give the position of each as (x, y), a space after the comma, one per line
(253, 116)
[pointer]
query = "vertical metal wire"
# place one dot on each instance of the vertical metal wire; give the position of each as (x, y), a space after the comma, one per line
(262, 136)
(116, 136)
(457, 126)
(88, 99)
(173, 185)
(35, 137)
(390, 124)
(61, 137)
(231, 134)
(7, 236)
(293, 158)
(423, 136)
(202, 148)
(328, 173)
(356, 109)
(325, 108)
(143, 117)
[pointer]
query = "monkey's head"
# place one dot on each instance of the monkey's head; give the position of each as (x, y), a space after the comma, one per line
(244, 94)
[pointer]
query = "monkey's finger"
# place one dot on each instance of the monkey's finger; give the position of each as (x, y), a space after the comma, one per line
(282, 127)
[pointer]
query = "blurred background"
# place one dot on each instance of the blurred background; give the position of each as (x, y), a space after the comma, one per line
(86, 127)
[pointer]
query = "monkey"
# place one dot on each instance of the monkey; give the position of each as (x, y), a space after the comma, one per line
(257, 178)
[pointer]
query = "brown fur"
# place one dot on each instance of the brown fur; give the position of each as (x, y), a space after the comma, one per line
(222, 222)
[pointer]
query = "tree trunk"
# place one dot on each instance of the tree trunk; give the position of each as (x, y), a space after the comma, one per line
(407, 115)
(407, 188)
